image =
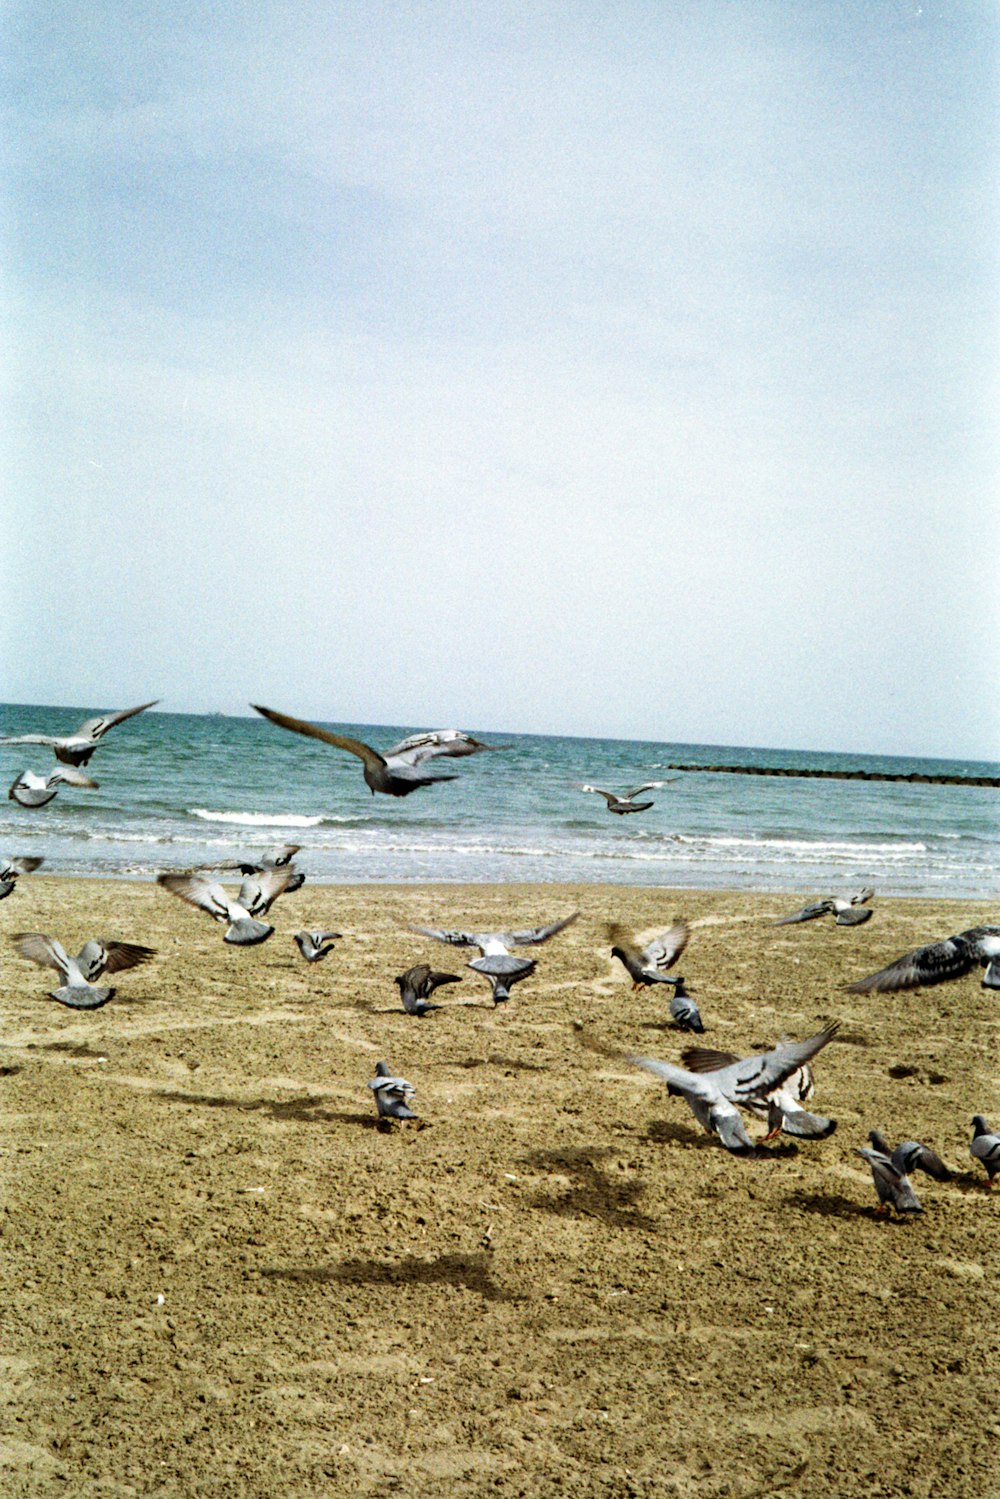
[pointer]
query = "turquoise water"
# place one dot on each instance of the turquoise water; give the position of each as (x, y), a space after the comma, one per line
(179, 789)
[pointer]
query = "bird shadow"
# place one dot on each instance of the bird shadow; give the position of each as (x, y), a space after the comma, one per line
(469, 1272)
(829, 1205)
(592, 1194)
(68, 1048)
(666, 1132)
(306, 1110)
(510, 1063)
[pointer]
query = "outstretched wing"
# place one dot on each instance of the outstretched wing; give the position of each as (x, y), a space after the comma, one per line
(808, 913)
(609, 796)
(456, 939)
(934, 963)
(535, 934)
(201, 893)
(259, 891)
(450, 742)
(96, 728)
(665, 949)
(363, 751)
(43, 950)
(105, 955)
(647, 786)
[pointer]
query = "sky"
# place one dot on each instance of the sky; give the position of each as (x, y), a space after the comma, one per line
(624, 370)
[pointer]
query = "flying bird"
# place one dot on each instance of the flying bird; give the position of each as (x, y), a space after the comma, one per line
(392, 1094)
(850, 912)
(937, 962)
(911, 1155)
(242, 930)
(773, 1084)
(648, 965)
(12, 869)
(76, 749)
(496, 962)
(31, 790)
(985, 1147)
(399, 771)
(709, 1105)
(96, 957)
(894, 1188)
(624, 801)
(315, 945)
(417, 985)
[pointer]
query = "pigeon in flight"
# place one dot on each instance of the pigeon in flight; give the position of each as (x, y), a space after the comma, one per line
(894, 1188)
(243, 930)
(985, 1147)
(850, 912)
(911, 1156)
(399, 771)
(496, 962)
(624, 801)
(76, 749)
(11, 869)
(279, 857)
(417, 985)
(683, 1010)
(780, 1101)
(392, 1094)
(648, 965)
(315, 945)
(937, 962)
(31, 790)
(712, 1109)
(78, 974)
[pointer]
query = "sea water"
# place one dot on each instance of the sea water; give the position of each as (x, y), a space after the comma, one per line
(180, 789)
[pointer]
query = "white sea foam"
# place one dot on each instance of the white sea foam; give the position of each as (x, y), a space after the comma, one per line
(257, 819)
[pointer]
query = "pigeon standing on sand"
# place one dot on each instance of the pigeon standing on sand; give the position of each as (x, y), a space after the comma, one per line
(76, 749)
(985, 1147)
(894, 1188)
(648, 965)
(785, 1086)
(937, 962)
(31, 790)
(95, 957)
(417, 985)
(399, 771)
(242, 929)
(495, 962)
(683, 1010)
(12, 869)
(623, 802)
(911, 1155)
(392, 1094)
(851, 912)
(315, 945)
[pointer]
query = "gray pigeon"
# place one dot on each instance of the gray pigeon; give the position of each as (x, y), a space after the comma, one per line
(911, 1155)
(31, 790)
(894, 1188)
(242, 929)
(851, 912)
(258, 892)
(786, 1077)
(712, 1109)
(649, 964)
(937, 962)
(76, 749)
(77, 974)
(495, 962)
(315, 945)
(11, 869)
(392, 1094)
(623, 802)
(417, 985)
(683, 1010)
(398, 771)
(985, 1147)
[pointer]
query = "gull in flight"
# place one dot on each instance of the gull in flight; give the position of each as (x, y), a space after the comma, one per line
(392, 1094)
(781, 1103)
(910, 1155)
(985, 1147)
(937, 962)
(31, 790)
(76, 749)
(399, 770)
(648, 965)
(98, 956)
(417, 985)
(11, 869)
(495, 961)
(716, 1107)
(254, 898)
(315, 945)
(624, 801)
(850, 912)
(894, 1188)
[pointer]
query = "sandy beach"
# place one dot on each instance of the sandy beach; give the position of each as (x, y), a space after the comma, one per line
(222, 1278)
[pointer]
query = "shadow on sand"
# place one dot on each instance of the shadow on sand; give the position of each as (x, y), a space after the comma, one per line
(469, 1272)
(593, 1193)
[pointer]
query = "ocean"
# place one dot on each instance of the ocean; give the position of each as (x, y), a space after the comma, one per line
(179, 789)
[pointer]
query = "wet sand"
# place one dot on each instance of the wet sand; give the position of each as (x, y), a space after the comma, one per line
(222, 1278)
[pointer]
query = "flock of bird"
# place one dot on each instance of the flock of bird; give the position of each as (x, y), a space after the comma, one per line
(716, 1085)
